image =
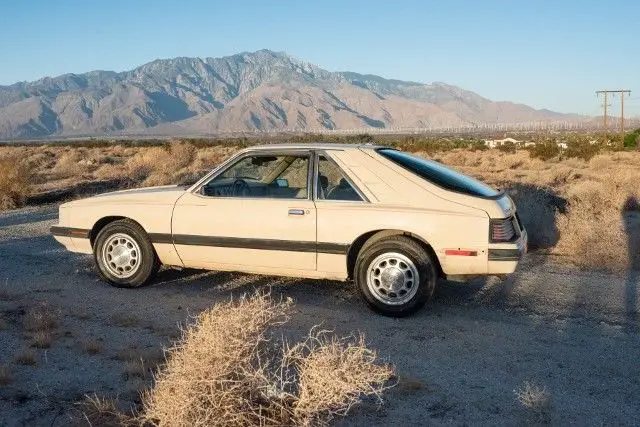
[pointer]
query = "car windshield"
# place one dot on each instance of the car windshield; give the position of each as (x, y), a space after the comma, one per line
(439, 174)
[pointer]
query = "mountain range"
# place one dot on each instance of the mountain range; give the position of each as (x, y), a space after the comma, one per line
(251, 91)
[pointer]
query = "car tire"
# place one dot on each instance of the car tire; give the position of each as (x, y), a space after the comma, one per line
(395, 275)
(124, 254)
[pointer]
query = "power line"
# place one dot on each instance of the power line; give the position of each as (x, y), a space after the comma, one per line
(613, 92)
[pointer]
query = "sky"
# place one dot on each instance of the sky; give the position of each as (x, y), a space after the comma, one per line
(545, 53)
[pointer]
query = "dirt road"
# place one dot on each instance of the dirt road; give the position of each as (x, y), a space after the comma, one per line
(575, 333)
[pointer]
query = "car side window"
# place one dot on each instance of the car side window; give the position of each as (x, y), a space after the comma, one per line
(332, 184)
(262, 176)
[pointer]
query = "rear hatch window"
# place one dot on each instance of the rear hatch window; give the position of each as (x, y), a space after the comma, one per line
(440, 175)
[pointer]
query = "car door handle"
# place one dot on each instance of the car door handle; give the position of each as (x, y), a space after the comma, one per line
(296, 211)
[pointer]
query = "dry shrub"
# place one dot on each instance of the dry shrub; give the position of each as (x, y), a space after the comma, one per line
(69, 165)
(333, 373)
(535, 398)
(598, 231)
(5, 375)
(149, 355)
(455, 158)
(25, 356)
(146, 161)
(602, 161)
(225, 371)
(42, 339)
(92, 346)
(98, 411)
(15, 182)
(160, 165)
(125, 320)
(135, 368)
(40, 317)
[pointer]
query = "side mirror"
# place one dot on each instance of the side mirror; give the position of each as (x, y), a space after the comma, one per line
(282, 182)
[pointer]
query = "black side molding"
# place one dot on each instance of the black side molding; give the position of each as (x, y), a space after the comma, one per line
(504, 254)
(78, 233)
(248, 243)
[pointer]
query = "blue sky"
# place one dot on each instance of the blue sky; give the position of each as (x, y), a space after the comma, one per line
(548, 54)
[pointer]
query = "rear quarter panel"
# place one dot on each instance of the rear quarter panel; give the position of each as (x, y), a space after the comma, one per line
(398, 201)
(344, 223)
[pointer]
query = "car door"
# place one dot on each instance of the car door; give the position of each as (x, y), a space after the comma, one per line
(341, 209)
(255, 215)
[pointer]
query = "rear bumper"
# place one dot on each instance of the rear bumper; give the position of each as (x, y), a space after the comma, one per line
(504, 258)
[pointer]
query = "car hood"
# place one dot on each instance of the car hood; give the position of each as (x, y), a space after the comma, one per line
(167, 194)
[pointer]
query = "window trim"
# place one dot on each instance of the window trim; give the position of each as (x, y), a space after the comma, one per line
(499, 195)
(232, 161)
(325, 154)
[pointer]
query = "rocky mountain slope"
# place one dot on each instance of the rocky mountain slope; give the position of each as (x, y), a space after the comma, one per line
(259, 91)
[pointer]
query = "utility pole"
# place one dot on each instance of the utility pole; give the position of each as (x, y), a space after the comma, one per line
(621, 92)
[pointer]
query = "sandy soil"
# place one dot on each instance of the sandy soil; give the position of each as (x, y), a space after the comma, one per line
(575, 333)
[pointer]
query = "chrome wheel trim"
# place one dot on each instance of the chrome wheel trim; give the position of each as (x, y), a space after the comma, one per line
(392, 278)
(121, 255)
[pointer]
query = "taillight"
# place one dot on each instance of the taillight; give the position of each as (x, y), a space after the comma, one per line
(501, 230)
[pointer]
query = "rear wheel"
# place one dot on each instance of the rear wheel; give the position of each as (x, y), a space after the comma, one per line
(395, 276)
(124, 254)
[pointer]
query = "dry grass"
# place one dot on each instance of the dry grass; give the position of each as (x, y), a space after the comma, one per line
(98, 411)
(42, 339)
(162, 165)
(5, 375)
(25, 356)
(534, 398)
(217, 375)
(15, 182)
(92, 346)
(135, 368)
(40, 317)
(125, 320)
(40, 322)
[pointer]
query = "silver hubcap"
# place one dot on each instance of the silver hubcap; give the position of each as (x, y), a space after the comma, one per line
(392, 278)
(121, 255)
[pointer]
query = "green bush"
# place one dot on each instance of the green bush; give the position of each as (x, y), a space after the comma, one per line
(544, 150)
(507, 147)
(582, 149)
(631, 139)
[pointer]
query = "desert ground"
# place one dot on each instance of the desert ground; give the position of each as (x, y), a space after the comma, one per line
(556, 343)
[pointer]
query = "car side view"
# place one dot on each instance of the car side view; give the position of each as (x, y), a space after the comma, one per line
(390, 221)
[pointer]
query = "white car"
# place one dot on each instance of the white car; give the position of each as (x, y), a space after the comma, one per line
(391, 221)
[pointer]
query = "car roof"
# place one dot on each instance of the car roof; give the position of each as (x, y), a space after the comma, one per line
(312, 146)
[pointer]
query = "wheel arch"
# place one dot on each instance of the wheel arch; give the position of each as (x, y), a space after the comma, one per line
(367, 239)
(103, 222)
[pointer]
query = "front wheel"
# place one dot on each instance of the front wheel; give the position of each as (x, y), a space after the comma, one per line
(395, 275)
(124, 254)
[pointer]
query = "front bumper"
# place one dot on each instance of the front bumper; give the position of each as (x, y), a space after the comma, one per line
(73, 239)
